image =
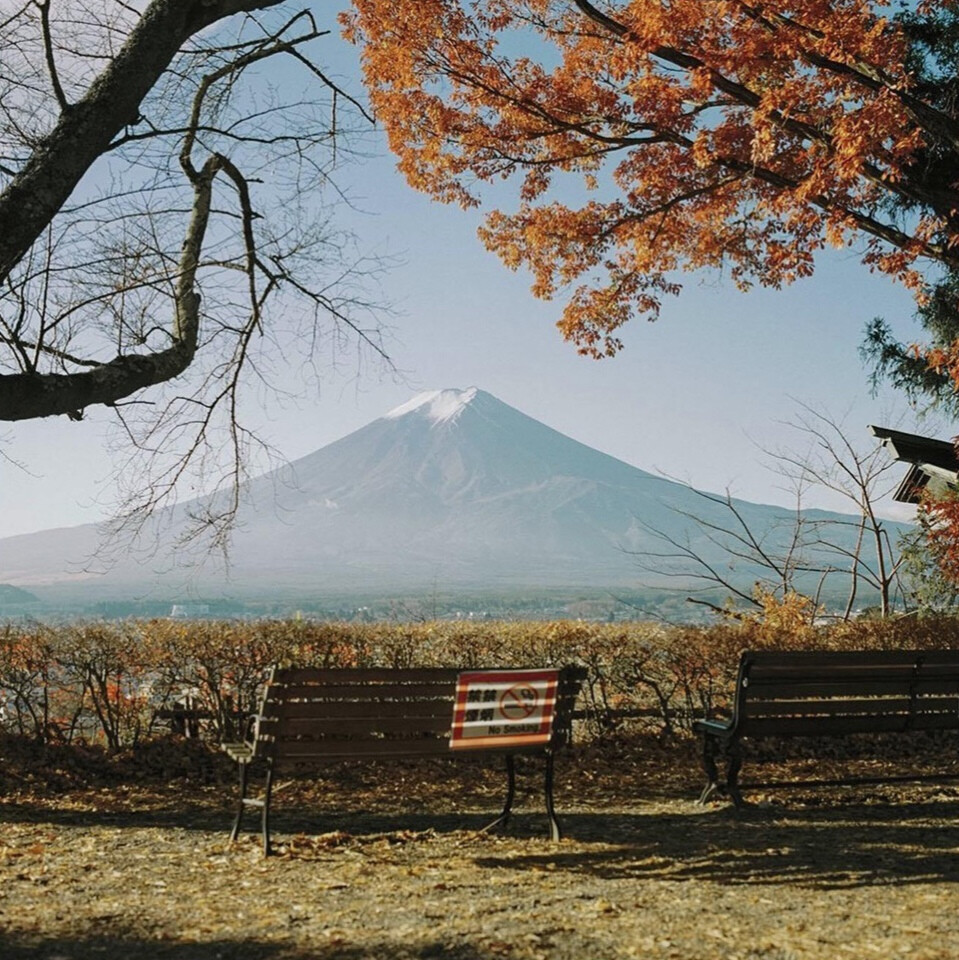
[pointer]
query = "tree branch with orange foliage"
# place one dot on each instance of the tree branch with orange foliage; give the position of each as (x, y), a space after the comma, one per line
(693, 134)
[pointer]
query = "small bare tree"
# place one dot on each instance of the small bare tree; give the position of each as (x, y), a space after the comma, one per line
(166, 171)
(735, 556)
(860, 475)
(801, 551)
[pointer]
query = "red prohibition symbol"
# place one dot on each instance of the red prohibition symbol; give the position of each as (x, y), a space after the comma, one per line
(518, 702)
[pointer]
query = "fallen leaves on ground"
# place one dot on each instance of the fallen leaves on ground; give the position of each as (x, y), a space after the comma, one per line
(390, 861)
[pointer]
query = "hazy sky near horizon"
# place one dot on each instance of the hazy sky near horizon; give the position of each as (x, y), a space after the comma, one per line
(694, 395)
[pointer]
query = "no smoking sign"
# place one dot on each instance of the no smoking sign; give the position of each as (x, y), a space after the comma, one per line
(503, 708)
(519, 702)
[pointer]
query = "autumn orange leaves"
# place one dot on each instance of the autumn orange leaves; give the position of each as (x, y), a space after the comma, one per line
(691, 133)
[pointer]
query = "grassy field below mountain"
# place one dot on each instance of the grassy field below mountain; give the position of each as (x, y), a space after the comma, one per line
(127, 854)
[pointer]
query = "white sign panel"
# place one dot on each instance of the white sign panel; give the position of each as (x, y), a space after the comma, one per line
(503, 708)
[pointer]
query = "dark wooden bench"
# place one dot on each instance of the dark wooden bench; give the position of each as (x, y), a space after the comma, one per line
(186, 718)
(829, 694)
(310, 717)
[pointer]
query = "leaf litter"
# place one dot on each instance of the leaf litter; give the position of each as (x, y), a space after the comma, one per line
(391, 862)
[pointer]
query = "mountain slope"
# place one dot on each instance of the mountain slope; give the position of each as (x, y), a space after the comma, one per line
(453, 489)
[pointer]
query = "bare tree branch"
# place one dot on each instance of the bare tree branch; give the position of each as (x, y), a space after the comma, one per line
(166, 239)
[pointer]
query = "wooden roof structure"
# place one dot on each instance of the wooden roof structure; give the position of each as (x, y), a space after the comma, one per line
(930, 462)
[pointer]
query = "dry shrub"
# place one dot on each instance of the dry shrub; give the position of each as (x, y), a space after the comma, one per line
(114, 681)
(113, 666)
(28, 679)
(217, 668)
(903, 633)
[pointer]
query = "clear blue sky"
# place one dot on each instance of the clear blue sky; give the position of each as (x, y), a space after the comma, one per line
(691, 395)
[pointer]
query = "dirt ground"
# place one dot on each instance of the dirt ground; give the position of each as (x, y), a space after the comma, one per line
(390, 862)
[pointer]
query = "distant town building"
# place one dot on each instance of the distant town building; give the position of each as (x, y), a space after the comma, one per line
(189, 611)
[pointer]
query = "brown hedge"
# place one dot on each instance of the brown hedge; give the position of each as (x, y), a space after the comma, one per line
(115, 682)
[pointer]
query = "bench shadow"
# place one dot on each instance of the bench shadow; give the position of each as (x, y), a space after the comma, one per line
(842, 845)
(285, 821)
(850, 845)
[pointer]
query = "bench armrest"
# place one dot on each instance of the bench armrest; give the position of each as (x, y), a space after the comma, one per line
(241, 752)
(713, 728)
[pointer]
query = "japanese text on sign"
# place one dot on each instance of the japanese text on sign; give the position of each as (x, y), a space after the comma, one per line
(503, 708)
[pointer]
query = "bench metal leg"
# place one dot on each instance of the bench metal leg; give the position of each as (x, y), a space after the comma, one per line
(712, 772)
(554, 829)
(504, 816)
(240, 804)
(263, 802)
(733, 754)
(709, 791)
(265, 813)
(734, 763)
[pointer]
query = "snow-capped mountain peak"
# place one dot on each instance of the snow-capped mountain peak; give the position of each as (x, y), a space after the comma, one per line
(438, 406)
(453, 490)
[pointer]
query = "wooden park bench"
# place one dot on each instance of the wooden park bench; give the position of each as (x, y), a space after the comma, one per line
(187, 718)
(310, 717)
(829, 694)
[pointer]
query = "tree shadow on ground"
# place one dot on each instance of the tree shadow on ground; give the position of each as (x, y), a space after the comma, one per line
(852, 845)
(95, 945)
(187, 817)
(829, 846)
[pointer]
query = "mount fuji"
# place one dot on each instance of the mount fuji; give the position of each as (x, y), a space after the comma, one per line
(454, 490)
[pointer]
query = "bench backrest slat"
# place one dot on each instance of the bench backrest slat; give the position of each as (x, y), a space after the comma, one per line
(282, 692)
(762, 676)
(848, 687)
(320, 751)
(346, 709)
(365, 675)
(294, 728)
(869, 706)
(854, 659)
(316, 715)
(792, 693)
(818, 726)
